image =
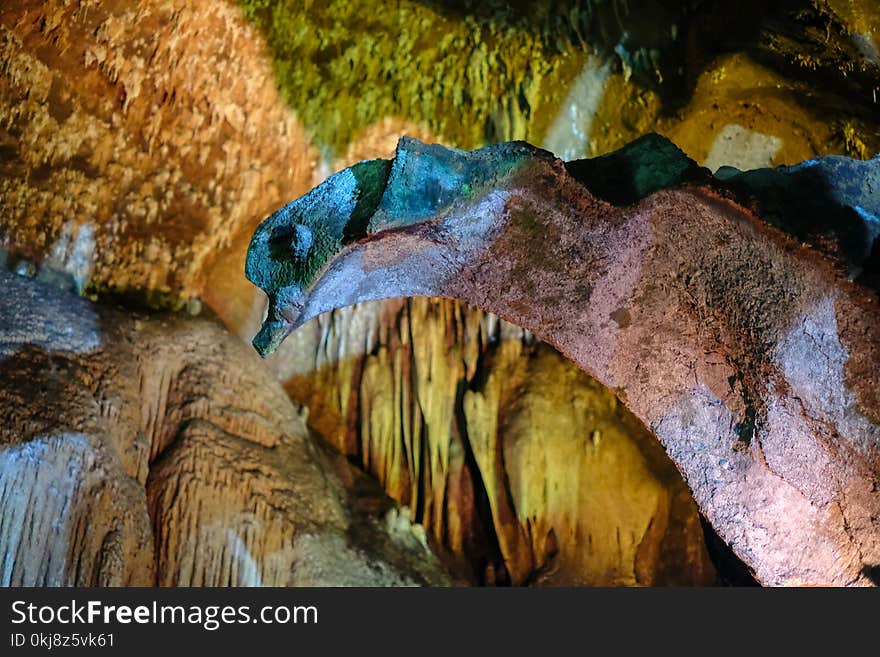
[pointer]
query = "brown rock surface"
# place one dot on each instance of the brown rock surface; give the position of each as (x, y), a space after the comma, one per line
(159, 451)
(750, 355)
(140, 142)
(398, 386)
(137, 140)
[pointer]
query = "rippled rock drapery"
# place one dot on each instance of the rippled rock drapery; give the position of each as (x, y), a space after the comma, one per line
(138, 451)
(525, 469)
(748, 354)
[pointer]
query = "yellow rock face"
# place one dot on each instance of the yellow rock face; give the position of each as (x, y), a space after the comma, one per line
(735, 92)
(153, 128)
(520, 467)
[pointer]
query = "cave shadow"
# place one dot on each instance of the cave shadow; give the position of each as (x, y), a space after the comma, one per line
(825, 202)
(732, 571)
(872, 573)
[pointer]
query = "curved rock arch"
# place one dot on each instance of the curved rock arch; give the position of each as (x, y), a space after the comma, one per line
(752, 353)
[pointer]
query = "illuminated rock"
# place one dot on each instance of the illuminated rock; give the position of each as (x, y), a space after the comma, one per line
(138, 451)
(141, 143)
(699, 315)
(138, 141)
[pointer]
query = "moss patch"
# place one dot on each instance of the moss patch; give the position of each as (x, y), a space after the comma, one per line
(471, 78)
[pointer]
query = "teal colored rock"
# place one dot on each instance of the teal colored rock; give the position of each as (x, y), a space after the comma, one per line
(292, 245)
(637, 170)
(833, 203)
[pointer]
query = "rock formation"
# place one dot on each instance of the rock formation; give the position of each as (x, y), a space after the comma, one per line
(141, 451)
(141, 143)
(524, 469)
(748, 354)
(137, 140)
(582, 77)
(130, 207)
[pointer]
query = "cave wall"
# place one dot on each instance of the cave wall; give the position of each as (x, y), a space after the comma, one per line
(140, 143)
(491, 437)
(746, 107)
(145, 451)
(138, 139)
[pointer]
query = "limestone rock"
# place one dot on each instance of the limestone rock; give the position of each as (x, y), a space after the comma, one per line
(137, 140)
(141, 142)
(750, 355)
(144, 451)
(583, 76)
(524, 469)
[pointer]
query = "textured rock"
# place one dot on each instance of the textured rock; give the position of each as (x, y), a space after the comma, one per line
(158, 451)
(480, 72)
(578, 102)
(149, 134)
(699, 315)
(141, 142)
(522, 467)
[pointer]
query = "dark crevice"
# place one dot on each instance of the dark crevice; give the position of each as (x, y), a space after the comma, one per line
(422, 461)
(872, 573)
(492, 555)
(732, 571)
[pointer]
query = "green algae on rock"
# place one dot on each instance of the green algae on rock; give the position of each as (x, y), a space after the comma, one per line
(487, 76)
